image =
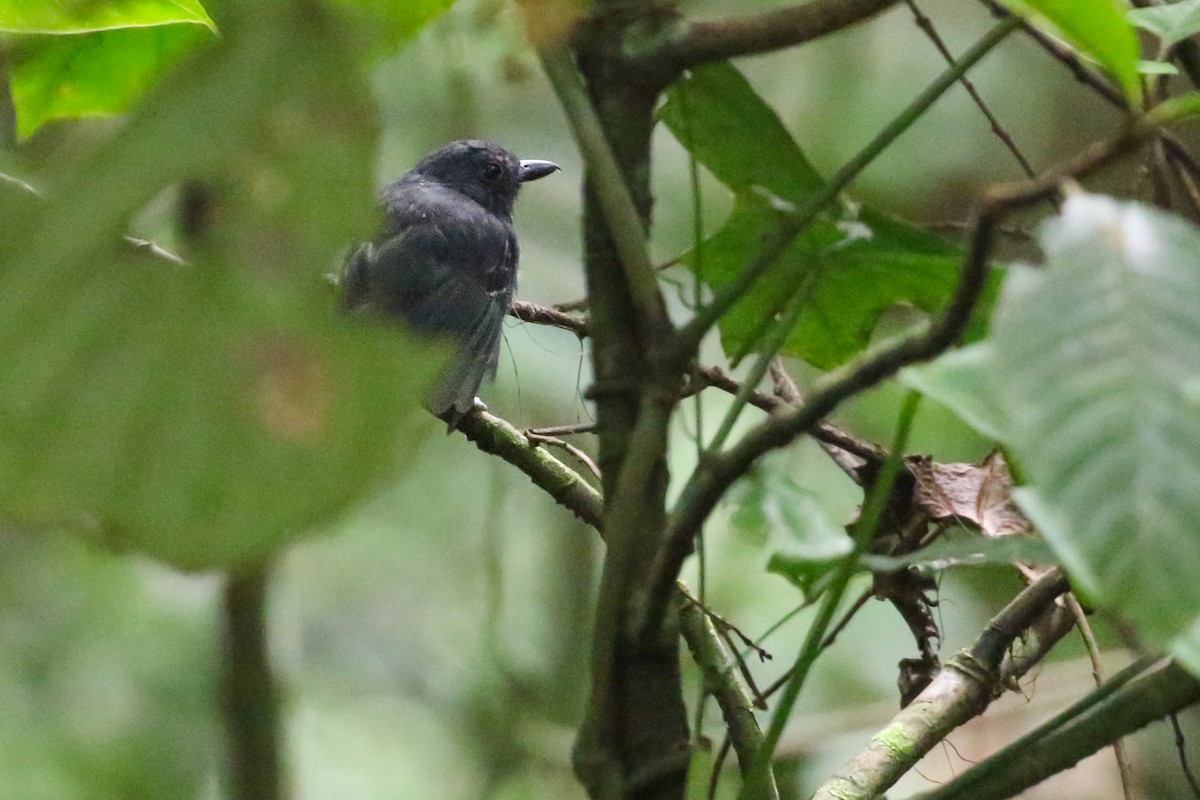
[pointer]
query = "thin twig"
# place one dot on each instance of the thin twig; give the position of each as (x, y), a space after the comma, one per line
(847, 461)
(964, 227)
(547, 315)
(828, 641)
(1186, 170)
(1181, 750)
(844, 622)
(564, 430)
(826, 432)
(578, 453)
(493, 435)
(718, 765)
(573, 305)
(926, 25)
(1067, 57)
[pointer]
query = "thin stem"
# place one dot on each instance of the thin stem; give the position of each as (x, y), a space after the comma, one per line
(758, 780)
(624, 222)
(697, 297)
(926, 24)
(774, 342)
(1181, 749)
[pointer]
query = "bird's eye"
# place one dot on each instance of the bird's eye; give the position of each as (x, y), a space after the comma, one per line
(491, 172)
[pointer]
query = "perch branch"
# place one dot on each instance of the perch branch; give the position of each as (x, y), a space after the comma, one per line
(496, 436)
(545, 315)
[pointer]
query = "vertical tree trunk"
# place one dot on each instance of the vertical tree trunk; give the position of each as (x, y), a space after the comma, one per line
(635, 741)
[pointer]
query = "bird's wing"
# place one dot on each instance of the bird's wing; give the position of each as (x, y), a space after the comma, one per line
(453, 278)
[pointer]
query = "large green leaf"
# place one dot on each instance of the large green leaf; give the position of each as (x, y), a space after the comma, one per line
(72, 77)
(117, 50)
(1098, 29)
(83, 16)
(1097, 364)
(853, 263)
(206, 414)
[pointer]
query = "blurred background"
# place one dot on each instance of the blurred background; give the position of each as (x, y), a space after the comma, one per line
(434, 641)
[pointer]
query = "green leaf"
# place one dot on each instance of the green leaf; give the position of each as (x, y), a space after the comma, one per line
(121, 49)
(207, 414)
(1097, 364)
(83, 16)
(710, 112)
(1097, 28)
(960, 380)
(772, 508)
(72, 77)
(853, 263)
(1170, 23)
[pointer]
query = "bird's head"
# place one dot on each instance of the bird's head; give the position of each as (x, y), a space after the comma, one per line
(484, 171)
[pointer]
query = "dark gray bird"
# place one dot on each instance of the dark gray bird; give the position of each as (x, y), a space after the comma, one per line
(446, 259)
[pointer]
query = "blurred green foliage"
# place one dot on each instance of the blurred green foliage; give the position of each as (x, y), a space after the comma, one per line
(1107, 435)
(206, 413)
(435, 643)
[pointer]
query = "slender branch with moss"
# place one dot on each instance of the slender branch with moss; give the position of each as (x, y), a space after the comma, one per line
(961, 691)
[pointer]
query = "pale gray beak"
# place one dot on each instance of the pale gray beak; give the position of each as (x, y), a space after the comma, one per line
(532, 169)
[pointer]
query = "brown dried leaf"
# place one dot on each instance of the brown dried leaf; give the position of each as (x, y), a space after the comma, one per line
(980, 494)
